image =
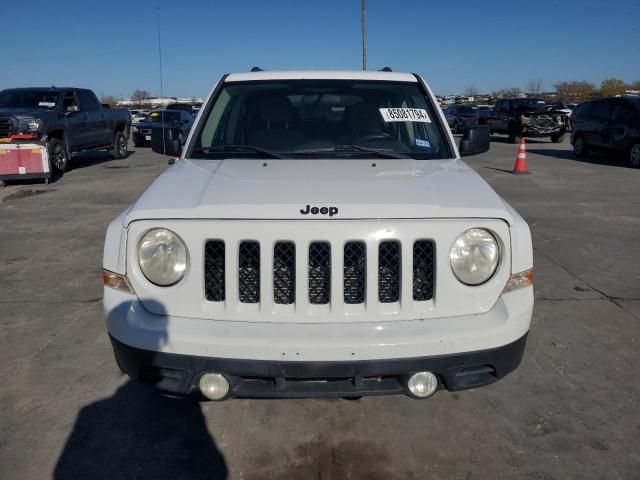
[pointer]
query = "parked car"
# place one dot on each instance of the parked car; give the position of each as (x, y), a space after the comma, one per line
(525, 117)
(138, 116)
(318, 236)
(178, 119)
(461, 116)
(608, 125)
(65, 120)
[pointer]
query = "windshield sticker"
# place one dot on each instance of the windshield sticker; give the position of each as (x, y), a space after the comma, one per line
(405, 115)
(423, 143)
(47, 104)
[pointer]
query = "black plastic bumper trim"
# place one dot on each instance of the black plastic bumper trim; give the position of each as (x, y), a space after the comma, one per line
(179, 374)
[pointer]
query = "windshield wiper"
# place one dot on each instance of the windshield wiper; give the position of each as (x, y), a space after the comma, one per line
(237, 148)
(354, 148)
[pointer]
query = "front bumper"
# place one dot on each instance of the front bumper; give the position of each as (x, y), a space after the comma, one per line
(179, 374)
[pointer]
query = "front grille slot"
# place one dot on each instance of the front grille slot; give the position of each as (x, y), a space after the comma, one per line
(355, 272)
(249, 272)
(214, 283)
(423, 270)
(319, 273)
(389, 272)
(284, 273)
(6, 127)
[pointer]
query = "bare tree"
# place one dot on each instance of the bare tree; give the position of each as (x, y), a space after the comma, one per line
(535, 86)
(471, 91)
(139, 96)
(612, 87)
(109, 100)
(575, 91)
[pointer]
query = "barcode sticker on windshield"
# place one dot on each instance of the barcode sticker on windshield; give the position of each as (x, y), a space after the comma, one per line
(405, 115)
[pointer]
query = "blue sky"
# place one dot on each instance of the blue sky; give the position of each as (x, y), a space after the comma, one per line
(111, 46)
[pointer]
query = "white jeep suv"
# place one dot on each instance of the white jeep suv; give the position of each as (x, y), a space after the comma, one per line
(318, 236)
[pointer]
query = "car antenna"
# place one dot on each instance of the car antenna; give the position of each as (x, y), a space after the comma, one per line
(257, 69)
(385, 69)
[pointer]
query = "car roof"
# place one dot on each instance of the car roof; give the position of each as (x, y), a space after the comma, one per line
(321, 75)
(51, 89)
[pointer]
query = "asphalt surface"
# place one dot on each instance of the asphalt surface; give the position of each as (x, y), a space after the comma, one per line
(571, 411)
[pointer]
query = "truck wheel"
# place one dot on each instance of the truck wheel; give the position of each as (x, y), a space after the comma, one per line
(634, 155)
(58, 156)
(580, 147)
(120, 149)
(558, 138)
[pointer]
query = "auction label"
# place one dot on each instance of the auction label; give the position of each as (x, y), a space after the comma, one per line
(405, 115)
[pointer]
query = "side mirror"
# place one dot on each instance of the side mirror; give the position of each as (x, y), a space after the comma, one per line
(475, 140)
(166, 141)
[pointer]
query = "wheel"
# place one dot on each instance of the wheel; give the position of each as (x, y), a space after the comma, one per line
(138, 143)
(2, 184)
(120, 149)
(634, 155)
(558, 138)
(58, 156)
(580, 147)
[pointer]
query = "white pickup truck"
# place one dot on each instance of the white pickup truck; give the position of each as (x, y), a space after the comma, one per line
(318, 236)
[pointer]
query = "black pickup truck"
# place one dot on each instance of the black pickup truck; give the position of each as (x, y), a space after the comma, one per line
(525, 117)
(65, 120)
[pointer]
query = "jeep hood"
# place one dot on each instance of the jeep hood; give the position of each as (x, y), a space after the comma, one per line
(279, 189)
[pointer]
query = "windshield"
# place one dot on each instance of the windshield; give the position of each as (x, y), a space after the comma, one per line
(28, 99)
(159, 116)
(321, 119)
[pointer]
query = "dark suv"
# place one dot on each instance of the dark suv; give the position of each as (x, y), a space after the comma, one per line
(608, 125)
(461, 116)
(162, 118)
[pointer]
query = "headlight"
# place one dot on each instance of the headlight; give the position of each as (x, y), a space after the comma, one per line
(162, 257)
(29, 125)
(474, 256)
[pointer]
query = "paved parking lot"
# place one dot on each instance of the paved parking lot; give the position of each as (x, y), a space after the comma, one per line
(570, 411)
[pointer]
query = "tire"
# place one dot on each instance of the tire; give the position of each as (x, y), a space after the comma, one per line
(120, 150)
(559, 138)
(634, 155)
(138, 143)
(58, 156)
(580, 147)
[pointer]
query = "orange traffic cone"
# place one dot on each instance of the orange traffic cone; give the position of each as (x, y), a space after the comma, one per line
(520, 166)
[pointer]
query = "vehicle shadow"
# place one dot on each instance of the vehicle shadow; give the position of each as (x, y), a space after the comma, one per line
(505, 139)
(593, 158)
(138, 433)
(91, 158)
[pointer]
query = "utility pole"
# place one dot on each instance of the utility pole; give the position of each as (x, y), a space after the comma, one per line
(364, 34)
(160, 52)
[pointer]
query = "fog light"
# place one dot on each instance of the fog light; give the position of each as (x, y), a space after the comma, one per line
(422, 384)
(214, 386)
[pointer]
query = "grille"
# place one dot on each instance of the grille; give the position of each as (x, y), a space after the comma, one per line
(6, 127)
(355, 272)
(423, 270)
(319, 265)
(284, 273)
(389, 272)
(249, 272)
(214, 271)
(319, 273)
